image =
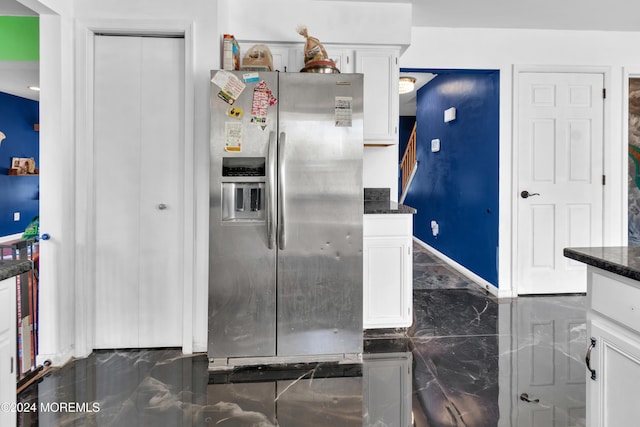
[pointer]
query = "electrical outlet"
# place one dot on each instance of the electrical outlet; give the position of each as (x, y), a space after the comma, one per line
(435, 228)
(16, 216)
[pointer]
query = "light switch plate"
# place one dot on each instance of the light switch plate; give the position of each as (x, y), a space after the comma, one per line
(435, 145)
(450, 114)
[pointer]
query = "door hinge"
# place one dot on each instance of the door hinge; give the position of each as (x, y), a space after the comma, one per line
(604, 93)
(12, 364)
(604, 180)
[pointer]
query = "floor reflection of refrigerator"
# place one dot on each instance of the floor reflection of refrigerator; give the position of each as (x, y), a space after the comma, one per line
(286, 205)
(376, 393)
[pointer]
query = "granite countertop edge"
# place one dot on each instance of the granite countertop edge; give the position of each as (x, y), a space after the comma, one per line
(9, 268)
(386, 207)
(621, 260)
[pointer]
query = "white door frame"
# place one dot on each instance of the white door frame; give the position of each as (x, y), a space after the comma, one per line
(606, 126)
(85, 184)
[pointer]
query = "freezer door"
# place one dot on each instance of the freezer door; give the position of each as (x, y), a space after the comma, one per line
(242, 256)
(319, 296)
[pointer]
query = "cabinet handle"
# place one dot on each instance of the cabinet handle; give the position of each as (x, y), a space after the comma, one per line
(588, 358)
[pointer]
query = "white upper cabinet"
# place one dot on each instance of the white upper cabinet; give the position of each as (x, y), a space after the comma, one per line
(380, 69)
(381, 73)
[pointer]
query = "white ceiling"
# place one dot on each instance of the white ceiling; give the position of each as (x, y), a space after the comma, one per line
(13, 8)
(15, 76)
(599, 15)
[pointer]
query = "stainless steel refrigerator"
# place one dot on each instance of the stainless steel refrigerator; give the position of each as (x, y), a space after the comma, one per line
(286, 206)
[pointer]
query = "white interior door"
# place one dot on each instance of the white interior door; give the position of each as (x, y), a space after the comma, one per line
(138, 135)
(560, 149)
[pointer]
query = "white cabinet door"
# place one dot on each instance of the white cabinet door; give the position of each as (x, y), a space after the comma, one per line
(612, 397)
(380, 69)
(387, 282)
(8, 349)
(138, 134)
(343, 58)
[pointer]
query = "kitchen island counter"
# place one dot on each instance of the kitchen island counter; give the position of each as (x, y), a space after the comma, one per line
(613, 327)
(621, 260)
(10, 268)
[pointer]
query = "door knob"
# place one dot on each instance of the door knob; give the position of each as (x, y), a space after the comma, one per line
(525, 398)
(162, 206)
(526, 194)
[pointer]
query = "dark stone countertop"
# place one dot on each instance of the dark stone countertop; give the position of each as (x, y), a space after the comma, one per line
(377, 201)
(621, 260)
(10, 268)
(386, 207)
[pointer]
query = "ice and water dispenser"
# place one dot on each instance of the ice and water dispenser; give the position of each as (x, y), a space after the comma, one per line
(243, 189)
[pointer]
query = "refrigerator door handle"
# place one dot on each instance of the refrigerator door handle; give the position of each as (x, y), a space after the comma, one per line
(282, 237)
(271, 190)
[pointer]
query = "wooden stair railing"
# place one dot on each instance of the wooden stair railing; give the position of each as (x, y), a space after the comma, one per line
(408, 160)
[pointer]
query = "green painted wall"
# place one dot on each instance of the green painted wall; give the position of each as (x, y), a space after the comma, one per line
(19, 38)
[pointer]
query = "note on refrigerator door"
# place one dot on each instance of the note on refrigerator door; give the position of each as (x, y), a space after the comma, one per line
(344, 112)
(262, 99)
(233, 137)
(231, 86)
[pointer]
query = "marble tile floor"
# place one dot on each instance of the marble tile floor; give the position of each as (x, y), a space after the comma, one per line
(465, 362)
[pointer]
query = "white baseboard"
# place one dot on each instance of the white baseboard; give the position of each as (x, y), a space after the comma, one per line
(482, 283)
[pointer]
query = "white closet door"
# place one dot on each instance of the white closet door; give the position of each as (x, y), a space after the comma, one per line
(160, 206)
(138, 110)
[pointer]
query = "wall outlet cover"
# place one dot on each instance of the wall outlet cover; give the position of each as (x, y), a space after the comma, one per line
(435, 145)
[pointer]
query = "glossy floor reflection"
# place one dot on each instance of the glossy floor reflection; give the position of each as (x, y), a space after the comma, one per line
(466, 361)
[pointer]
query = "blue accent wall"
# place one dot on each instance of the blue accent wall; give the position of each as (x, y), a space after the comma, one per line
(458, 186)
(18, 193)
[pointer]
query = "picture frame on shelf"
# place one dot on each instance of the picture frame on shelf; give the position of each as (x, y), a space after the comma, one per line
(23, 166)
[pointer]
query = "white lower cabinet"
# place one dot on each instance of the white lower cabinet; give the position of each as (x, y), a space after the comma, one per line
(388, 271)
(613, 371)
(8, 351)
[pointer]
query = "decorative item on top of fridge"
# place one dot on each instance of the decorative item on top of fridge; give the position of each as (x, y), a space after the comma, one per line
(230, 53)
(316, 59)
(258, 58)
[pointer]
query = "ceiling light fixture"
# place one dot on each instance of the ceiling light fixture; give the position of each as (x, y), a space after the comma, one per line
(406, 85)
(36, 88)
